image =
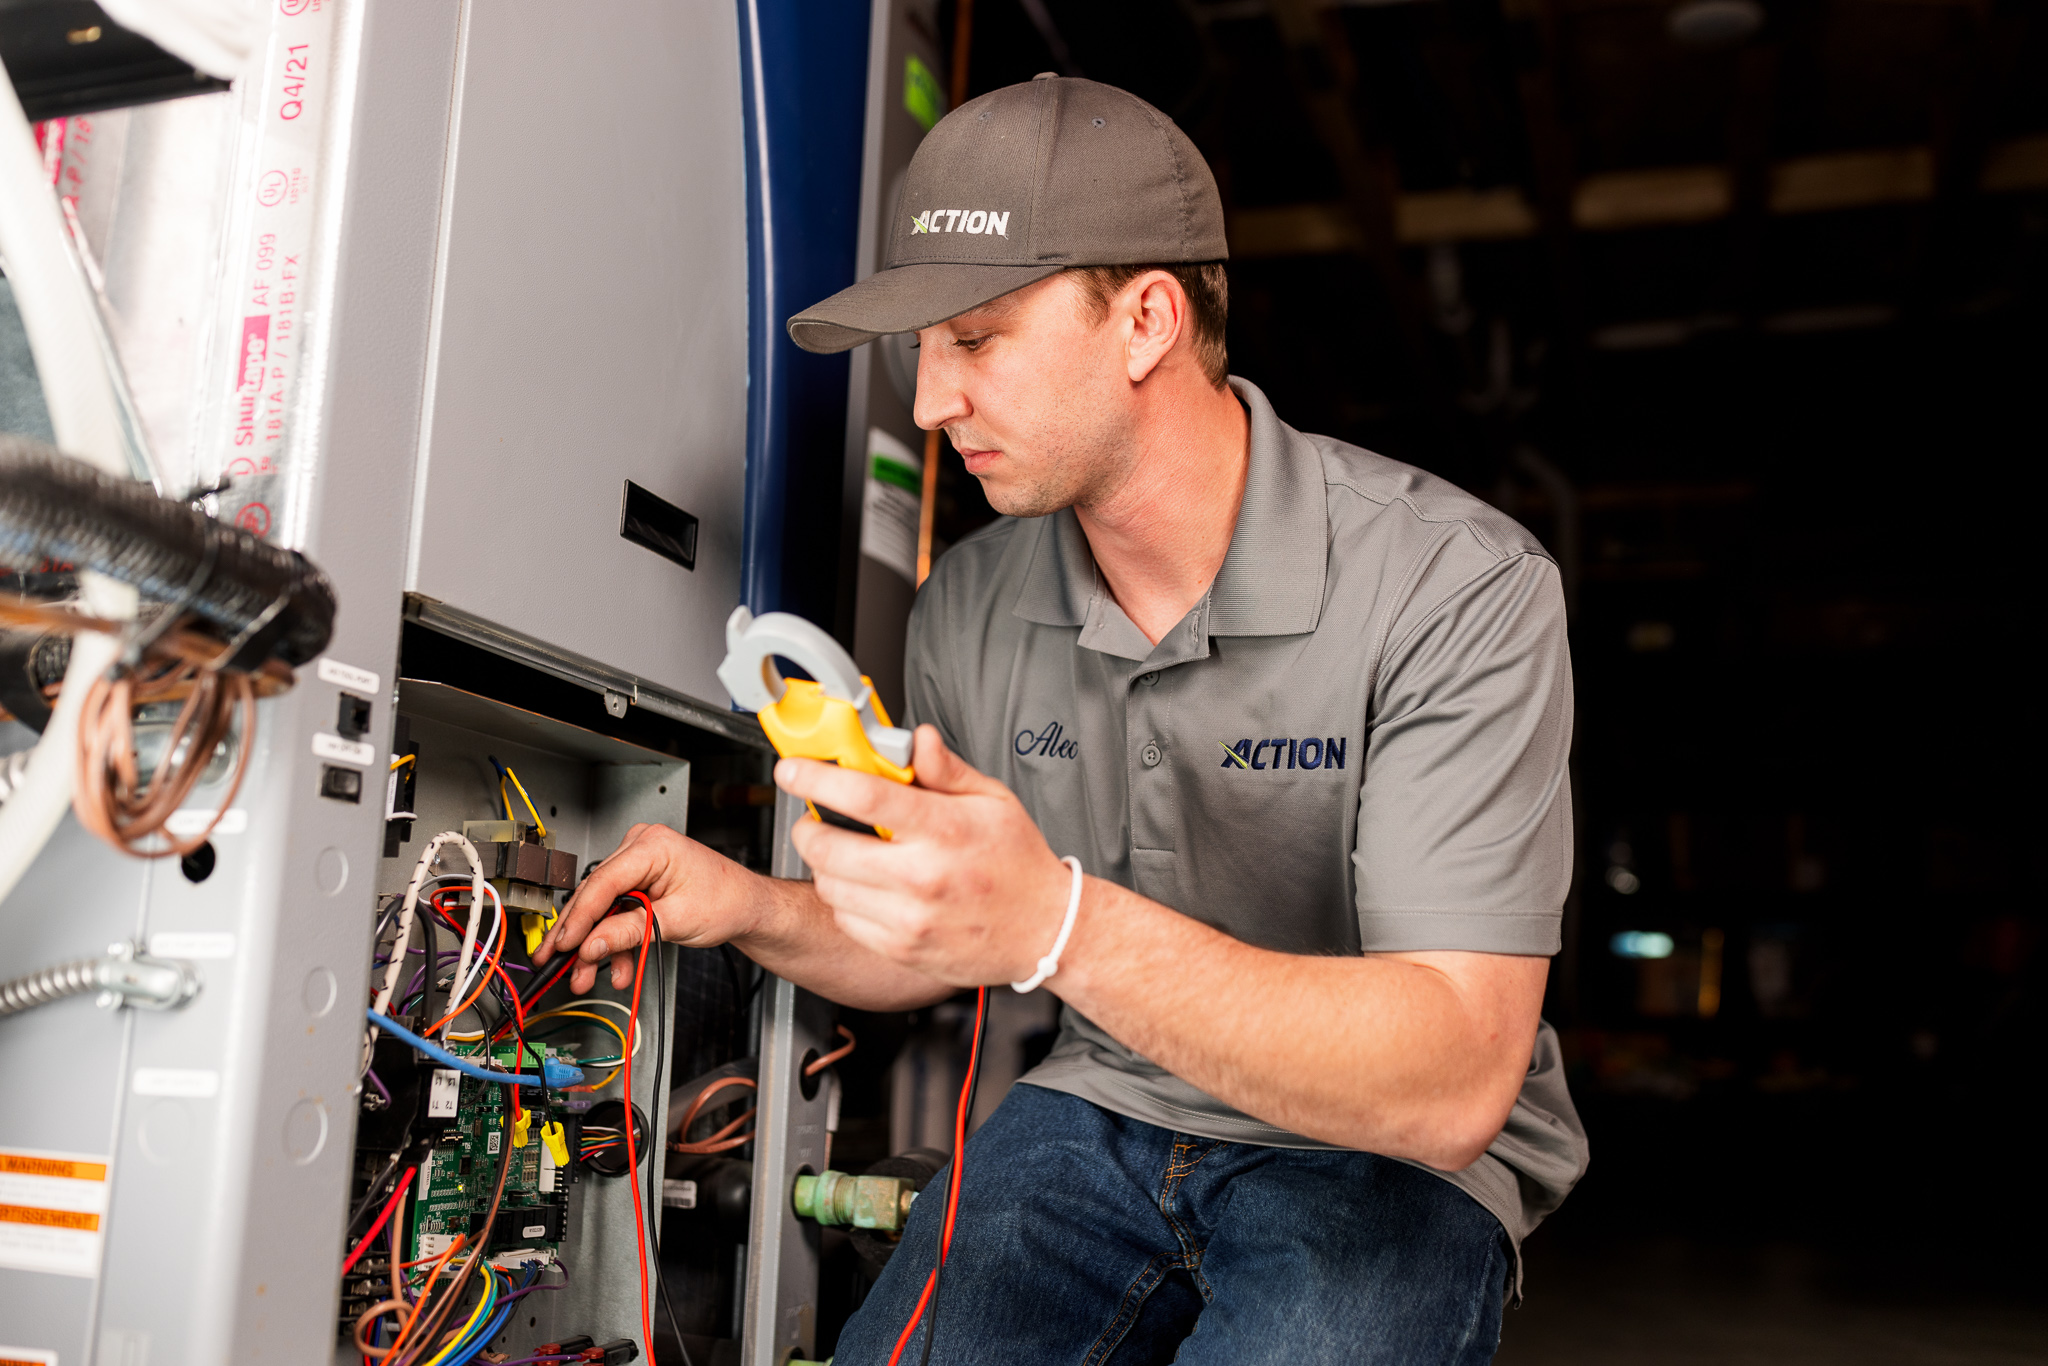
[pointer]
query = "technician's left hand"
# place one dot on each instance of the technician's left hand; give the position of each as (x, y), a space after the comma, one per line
(967, 892)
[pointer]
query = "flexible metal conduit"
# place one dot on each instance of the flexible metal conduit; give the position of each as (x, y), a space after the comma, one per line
(128, 977)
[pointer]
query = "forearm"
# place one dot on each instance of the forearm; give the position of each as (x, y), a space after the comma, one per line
(794, 936)
(1380, 1053)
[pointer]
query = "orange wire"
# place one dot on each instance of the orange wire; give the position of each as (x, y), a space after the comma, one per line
(953, 1184)
(426, 1292)
(518, 1008)
(495, 960)
(483, 980)
(818, 1065)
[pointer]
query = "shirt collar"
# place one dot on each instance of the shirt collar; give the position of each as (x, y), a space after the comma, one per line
(1271, 582)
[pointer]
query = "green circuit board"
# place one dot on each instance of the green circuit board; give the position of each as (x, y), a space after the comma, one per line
(456, 1183)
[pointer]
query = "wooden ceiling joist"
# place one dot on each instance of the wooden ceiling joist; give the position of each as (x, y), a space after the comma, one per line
(1637, 199)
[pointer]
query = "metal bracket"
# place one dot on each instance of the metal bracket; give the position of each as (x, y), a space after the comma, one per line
(780, 1318)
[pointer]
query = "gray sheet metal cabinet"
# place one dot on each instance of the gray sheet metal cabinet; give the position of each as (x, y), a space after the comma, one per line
(589, 330)
(518, 282)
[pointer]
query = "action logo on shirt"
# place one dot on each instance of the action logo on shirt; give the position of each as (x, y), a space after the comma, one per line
(1264, 754)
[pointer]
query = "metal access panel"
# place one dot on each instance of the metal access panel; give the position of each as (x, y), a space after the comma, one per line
(583, 442)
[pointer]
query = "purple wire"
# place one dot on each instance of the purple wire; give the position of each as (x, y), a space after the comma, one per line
(378, 1082)
(445, 957)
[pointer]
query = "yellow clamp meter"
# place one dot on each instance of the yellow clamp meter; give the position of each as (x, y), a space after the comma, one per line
(836, 718)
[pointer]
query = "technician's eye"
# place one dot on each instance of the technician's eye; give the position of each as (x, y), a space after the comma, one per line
(970, 344)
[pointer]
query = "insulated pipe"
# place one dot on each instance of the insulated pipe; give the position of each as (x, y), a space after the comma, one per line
(58, 315)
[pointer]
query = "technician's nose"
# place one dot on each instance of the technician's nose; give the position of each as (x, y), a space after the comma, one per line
(939, 399)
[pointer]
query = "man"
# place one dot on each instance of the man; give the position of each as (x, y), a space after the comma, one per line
(1302, 715)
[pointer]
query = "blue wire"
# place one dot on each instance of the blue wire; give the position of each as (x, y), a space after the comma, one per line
(447, 1059)
(490, 1331)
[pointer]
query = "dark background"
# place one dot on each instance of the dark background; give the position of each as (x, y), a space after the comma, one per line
(1782, 439)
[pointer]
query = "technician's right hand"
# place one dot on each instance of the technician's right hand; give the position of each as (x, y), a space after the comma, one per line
(700, 898)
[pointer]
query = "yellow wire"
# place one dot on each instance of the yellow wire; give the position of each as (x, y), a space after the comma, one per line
(531, 1020)
(483, 1302)
(401, 761)
(539, 828)
(560, 1011)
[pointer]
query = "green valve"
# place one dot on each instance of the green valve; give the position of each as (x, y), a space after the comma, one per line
(837, 1198)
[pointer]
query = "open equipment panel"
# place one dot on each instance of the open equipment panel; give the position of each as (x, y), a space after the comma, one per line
(540, 800)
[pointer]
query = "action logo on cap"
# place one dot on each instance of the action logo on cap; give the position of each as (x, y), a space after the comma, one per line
(962, 220)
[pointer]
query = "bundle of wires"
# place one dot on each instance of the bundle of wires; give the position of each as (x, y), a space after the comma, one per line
(113, 798)
(417, 1333)
(406, 1325)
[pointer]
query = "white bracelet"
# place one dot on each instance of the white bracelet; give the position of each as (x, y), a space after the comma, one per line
(1050, 964)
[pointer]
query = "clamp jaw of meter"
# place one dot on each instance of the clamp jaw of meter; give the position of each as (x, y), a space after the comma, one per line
(836, 718)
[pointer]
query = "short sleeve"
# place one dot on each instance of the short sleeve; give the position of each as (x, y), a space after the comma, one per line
(925, 664)
(1464, 825)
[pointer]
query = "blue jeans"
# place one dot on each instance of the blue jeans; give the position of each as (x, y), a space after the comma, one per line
(1087, 1238)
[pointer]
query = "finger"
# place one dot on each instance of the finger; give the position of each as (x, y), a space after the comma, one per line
(941, 770)
(869, 934)
(874, 917)
(863, 796)
(622, 971)
(620, 934)
(636, 863)
(851, 856)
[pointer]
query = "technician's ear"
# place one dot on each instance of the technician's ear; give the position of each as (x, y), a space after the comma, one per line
(1159, 312)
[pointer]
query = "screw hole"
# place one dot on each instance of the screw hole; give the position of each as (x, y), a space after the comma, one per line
(1100, 122)
(197, 866)
(551, 811)
(663, 789)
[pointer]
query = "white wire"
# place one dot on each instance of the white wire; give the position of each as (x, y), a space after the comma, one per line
(584, 1003)
(482, 962)
(405, 919)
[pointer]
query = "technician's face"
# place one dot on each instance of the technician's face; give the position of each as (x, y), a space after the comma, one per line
(1035, 395)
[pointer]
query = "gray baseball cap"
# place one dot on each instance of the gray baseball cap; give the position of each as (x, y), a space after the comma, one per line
(1019, 184)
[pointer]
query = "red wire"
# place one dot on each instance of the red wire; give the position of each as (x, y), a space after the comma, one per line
(397, 1191)
(632, 1159)
(931, 1282)
(518, 1007)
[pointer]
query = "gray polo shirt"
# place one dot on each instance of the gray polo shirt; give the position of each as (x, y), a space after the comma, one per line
(1356, 742)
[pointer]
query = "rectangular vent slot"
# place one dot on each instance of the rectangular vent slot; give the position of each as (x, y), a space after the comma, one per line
(659, 525)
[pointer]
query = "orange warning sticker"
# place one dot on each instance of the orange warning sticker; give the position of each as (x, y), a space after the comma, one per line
(24, 1164)
(48, 1218)
(26, 1356)
(51, 1208)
